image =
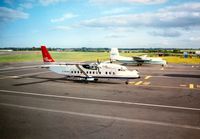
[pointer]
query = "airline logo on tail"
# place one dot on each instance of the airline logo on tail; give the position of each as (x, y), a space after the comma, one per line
(46, 56)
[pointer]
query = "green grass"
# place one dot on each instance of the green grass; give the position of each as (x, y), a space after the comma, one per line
(58, 56)
(81, 56)
(181, 60)
(20, 57)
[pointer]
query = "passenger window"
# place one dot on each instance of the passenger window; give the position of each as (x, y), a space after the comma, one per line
(99, 72)
(78, 72)
(71, 71)
(93, 72)
(87, 72)
(113, 73)
(74, 71)
(109, 72)
(106, 72)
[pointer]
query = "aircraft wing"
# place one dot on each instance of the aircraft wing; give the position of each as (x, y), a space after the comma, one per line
(138, 59)
(68, 63)
(141, 59)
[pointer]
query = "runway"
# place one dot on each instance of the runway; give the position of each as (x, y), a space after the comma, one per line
(163, 103)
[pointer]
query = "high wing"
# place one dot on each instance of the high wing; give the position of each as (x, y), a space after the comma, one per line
(141, 59)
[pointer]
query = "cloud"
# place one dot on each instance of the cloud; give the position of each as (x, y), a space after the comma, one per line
(8, 14)
(116, 11)
(10, 2)
(127, 1)
(48, 2)
(194, 38)
(166, 33)
(62, 28)
(165, 18)
(192, 7)
(64, 17)
(27, 5)
(114, 36)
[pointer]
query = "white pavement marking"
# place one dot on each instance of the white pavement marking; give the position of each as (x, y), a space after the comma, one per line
(104, 117)
(22, 75)
(102, 100)
(183, 85)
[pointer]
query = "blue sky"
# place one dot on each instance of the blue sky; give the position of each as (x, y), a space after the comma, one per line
(100, 23)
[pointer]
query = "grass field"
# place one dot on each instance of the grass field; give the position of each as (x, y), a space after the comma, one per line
(80, 56)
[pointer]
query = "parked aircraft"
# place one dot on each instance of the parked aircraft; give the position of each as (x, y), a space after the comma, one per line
(88, 71)
(136, 60)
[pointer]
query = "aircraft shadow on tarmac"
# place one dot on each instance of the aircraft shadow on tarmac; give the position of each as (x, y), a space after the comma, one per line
(183, 75)
(61, 80)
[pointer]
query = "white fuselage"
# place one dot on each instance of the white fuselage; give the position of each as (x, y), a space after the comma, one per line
(115, 56)
(103, 70)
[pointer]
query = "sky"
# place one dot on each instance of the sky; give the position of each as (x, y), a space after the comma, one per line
(100, 23)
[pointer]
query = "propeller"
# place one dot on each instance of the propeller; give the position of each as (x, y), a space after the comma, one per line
(98, 61)
(97, 65)
(111, 60)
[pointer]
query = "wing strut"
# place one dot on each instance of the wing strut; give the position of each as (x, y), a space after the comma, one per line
(82, 71)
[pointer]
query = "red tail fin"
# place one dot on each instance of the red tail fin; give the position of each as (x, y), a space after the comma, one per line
(46, 56)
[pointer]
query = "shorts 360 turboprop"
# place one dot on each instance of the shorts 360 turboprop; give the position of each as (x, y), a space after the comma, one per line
(88, 71)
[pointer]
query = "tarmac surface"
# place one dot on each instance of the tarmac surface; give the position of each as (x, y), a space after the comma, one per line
(163, 104)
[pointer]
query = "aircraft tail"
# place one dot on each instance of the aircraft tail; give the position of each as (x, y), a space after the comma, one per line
(46, 56)
(114, 54)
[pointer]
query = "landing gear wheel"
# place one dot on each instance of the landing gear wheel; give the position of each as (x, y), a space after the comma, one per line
(126, 82)
(95, 80)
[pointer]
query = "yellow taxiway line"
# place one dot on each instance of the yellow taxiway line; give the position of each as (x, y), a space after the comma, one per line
(147, 77)
(191, 86)
(146, 83)
(170, 87)
(138, 83)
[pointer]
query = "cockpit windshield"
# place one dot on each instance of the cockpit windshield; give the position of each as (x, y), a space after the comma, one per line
(91, 67)
(122, 68)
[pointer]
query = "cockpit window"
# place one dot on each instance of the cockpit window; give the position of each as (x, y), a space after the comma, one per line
(122, 69)
(91, 67)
